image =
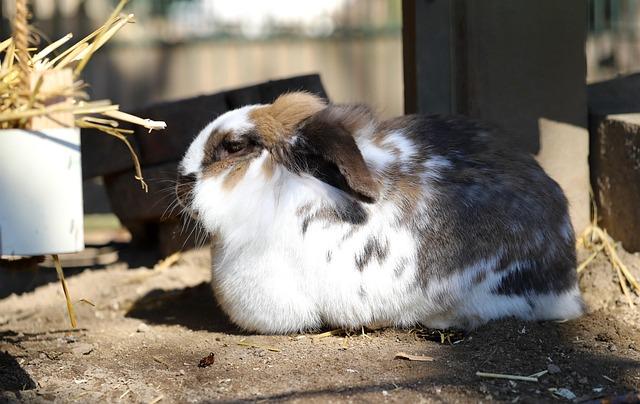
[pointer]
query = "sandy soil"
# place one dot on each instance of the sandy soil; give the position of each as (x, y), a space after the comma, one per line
(149, 329)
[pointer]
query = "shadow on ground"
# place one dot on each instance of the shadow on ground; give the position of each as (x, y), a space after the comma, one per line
(12, 376)
(194, 308)
(596, 355)
(596, 358)
(26, 278)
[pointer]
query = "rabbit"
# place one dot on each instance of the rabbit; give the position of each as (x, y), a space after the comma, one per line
(328, 217)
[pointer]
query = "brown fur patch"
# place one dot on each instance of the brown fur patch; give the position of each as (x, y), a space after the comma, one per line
(235, 164)
(235, 175)
(212, 142)
(408, 188)
(217, 168)
(277, 121)
(352, 117)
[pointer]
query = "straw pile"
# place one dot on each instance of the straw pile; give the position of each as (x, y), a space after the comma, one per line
(37, 84)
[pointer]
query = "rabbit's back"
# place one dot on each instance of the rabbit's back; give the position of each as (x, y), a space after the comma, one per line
(484, 216)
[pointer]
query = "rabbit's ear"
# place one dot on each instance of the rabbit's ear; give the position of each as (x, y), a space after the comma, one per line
(326, 149)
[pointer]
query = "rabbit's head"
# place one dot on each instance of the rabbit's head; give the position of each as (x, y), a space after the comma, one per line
(257, 148)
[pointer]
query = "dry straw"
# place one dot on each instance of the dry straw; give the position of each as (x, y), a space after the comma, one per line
(596, 240)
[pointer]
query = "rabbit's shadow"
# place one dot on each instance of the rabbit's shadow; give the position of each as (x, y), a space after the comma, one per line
(194, 308)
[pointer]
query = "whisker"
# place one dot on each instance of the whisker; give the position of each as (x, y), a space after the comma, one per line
(184, 243)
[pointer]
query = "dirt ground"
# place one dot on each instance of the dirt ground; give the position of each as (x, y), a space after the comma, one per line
(150, 328)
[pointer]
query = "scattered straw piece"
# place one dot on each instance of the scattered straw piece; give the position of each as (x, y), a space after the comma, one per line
(591, 257)
(539, 374)
(87, 302)
(168, 262)
(124, 394)
(507, 376)
(326, 334)
(160, 361)
(157, 399)
(252, 345)
(417, 358)
(70, 310)
(147, 123)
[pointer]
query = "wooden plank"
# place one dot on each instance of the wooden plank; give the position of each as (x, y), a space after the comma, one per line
(428, 51)
(615, 158)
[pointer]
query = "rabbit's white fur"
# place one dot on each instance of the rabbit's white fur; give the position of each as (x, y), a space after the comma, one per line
(270, 277)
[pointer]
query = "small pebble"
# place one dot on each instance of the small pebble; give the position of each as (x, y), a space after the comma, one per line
(143, 328)
(70, 339)
(82, 349)
(553, 368)
(612, 348)
(565, 393)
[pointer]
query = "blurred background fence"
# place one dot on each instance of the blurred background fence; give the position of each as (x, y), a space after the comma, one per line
(613, 43)
(181, 48)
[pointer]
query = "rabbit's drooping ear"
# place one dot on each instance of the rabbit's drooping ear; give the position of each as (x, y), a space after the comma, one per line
(326, 149)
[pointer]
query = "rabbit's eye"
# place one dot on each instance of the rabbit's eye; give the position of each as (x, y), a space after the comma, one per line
(234, 147)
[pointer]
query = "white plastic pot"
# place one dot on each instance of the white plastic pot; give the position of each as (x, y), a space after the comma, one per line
(40, 192)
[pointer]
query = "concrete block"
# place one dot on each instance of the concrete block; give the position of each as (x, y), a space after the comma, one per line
(564, 155)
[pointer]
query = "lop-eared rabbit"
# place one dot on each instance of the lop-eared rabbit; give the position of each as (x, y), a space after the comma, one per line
(326, 216)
